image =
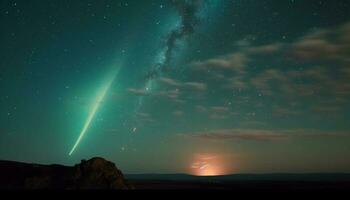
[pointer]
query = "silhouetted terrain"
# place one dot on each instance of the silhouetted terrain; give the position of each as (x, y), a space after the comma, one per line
(96, 173)
(242, 182)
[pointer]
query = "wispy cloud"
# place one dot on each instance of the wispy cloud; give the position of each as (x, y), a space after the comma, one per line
(145, 117)
(138, 92)
(178, 113)
(236, 82)
(199, 86)
(240, 134)
(216, 116)
(235, 62)
(327, 109)
(219, 109)
(171, 94)
(201, 109)
(265, 49)
(196, 86)
(261, 135)
(171, 82)
(286, 112)
(324, 44)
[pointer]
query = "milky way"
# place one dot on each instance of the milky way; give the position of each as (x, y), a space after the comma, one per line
(188, 13)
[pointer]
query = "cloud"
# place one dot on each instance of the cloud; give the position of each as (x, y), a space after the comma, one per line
(238, 134)
(219, 109)
(265, 49)
(252, 124)
(314, 73)
(260, 135)
(219, 113)
(178, 113)
(236, 82)
(332, 44)
(324, 44)
(171, 94)
(286, 112)
(143, 115)
(185, 85)
(215, 112)
(235, 62)
(179, 101)
(201, 109)
(326, 109)
(196, 86)
(170, 82)
(266, 79)
(342, 89)
(218, 116)
(113, 131)
(138, 92)
(291, 83)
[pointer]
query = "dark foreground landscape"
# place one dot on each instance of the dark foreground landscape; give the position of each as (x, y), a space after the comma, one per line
(245, 182)
(98, 173)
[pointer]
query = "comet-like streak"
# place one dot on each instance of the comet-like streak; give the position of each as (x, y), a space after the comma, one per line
(95, 108)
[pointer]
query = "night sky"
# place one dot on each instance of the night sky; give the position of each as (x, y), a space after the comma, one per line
(185, 86)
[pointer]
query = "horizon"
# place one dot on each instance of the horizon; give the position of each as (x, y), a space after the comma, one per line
(188, 174)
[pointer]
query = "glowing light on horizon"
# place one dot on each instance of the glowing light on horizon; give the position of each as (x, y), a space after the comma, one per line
(95, 108)
(210, 165)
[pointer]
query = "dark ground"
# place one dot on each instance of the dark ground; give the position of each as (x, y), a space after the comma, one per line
(100, 174)
(96, 173)
(242, 185)
(265, 182)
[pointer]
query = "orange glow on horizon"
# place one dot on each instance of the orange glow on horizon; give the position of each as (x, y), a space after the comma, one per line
(210, 165)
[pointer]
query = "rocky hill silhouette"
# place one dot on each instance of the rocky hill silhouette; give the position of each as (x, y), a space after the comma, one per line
(96, 173)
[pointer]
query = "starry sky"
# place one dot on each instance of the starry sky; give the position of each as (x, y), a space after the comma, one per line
(205, 87)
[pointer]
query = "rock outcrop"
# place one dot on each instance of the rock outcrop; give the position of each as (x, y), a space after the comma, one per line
(96, 173)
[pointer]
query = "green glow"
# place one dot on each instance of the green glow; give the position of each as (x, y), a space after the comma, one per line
(95, 108)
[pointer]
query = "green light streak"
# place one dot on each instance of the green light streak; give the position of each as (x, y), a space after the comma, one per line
(95, 108)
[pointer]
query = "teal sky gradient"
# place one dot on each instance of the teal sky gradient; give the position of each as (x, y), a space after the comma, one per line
(255, 87)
